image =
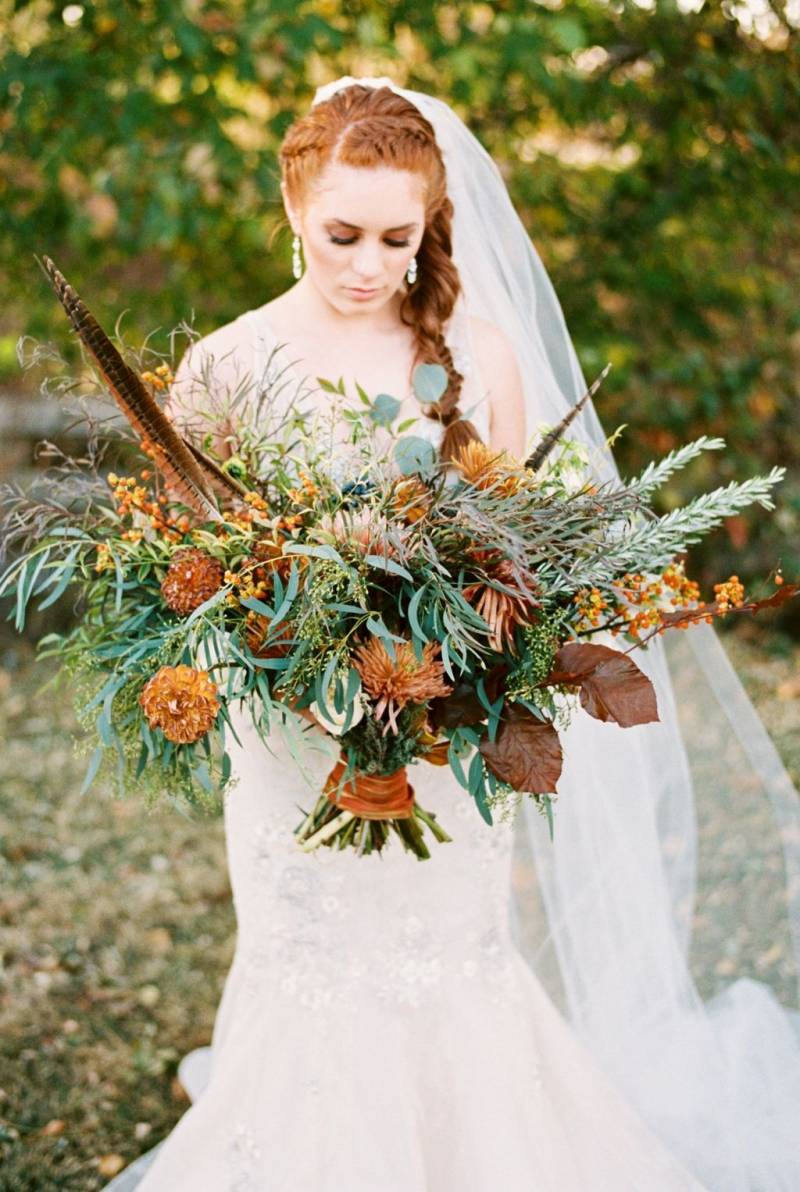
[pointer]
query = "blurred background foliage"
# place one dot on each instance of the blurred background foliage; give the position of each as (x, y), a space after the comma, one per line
(651, 148)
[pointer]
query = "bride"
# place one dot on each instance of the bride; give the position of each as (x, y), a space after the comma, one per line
(516, 1013)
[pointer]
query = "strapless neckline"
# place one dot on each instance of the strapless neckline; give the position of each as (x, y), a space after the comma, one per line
(474, 398)
(262, 326)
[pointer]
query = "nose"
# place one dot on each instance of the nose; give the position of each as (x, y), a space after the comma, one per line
(367, 259)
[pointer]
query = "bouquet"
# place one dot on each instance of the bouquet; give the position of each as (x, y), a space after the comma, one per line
(449, 614)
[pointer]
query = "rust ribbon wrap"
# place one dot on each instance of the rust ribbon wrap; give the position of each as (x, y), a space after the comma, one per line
(372, 796)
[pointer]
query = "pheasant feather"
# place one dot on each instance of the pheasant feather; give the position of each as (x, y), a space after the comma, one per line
(193, 477)
(535, 461)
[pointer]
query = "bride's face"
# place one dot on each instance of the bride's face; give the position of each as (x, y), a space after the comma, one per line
(360, 227)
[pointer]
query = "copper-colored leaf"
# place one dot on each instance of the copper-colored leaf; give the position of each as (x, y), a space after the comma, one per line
(526, 752)
(687, 615)
(177, 462)
(437, 755)
(53, 1127)
(612, 687)
(108, 1165)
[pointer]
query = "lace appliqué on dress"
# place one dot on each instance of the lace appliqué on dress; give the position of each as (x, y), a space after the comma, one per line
(341, 926)
(243, 1156)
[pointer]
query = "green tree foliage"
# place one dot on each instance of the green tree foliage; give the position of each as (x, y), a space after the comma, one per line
(653, 153)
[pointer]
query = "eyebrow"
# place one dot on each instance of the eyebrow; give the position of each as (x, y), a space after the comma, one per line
(355, 228)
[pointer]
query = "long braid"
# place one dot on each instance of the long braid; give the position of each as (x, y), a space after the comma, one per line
(426, 307)
(367, 126)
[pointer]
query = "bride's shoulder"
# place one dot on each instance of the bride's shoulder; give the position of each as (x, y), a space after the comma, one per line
(489, 340)
(498, 369)
(221, 357)
(222, 344)
(494, 353)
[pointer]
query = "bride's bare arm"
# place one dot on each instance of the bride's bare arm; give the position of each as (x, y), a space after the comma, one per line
(499, 373)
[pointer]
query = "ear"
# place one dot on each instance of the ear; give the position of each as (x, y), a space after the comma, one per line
(291, 213)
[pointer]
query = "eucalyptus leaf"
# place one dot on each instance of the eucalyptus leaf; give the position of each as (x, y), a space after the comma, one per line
(413, 454)
(384, 409)
(429, 382)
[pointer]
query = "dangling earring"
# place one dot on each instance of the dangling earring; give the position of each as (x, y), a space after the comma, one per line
(411, 272)
(297, 264)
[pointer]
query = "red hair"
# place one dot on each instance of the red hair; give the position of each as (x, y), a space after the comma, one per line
(374, 126)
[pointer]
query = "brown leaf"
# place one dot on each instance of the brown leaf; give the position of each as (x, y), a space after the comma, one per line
(612, 687)
(178, 1091)
(110, 1164)
(780, 596)
(526, 752)
(437, 755)
(54, 1126)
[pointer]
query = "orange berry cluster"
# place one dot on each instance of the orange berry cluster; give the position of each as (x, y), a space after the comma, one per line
(243, 518)
(105, 560)
(131, 496)
(161, 379)
(247, 585)
(591, 605)
(644, 596)
(256, 502)
(731, 592)
(305, 494)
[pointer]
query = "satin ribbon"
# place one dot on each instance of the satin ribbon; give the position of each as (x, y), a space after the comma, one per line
(372, 796)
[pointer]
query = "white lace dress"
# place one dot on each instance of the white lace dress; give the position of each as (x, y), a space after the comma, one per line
(379, 1031)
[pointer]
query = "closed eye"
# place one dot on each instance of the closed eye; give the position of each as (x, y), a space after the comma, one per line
(352, 240)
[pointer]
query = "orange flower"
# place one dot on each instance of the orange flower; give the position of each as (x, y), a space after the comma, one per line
(256, 632)
(484, 467)
(502, 611)
(181, 701)
(395, 682)
(411, 499)
(192, 578)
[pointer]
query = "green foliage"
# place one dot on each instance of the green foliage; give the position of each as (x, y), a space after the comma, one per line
(374, 752)
(653, 155)
(539, 643)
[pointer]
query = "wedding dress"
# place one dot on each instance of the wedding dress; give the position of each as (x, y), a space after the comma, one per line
(516, 1012)
(379, 1030)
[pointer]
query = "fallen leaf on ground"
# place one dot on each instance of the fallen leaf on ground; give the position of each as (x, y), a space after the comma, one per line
(110, 1164)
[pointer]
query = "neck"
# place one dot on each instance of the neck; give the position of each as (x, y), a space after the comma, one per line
(313, 305)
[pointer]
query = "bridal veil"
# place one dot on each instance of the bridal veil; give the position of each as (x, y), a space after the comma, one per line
(664, 916)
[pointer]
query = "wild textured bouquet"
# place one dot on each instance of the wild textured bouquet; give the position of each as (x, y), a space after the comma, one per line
(420, 612)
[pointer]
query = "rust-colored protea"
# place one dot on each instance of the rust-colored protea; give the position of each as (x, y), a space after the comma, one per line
(484, 466)
(366, 532)
(502, 611)
(411, 499)
(267, 556)
(192, 577)
(256, 627)
(181, 701)
(395, 682)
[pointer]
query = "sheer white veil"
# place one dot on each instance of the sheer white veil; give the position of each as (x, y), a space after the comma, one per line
(664, 918)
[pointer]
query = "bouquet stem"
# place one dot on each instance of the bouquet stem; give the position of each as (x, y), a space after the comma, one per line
(363, 811)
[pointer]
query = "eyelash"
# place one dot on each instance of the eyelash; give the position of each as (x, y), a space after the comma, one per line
(352, 240)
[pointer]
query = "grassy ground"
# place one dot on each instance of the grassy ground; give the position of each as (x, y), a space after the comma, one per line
(117, 931)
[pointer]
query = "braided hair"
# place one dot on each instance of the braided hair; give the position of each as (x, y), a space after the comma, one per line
(368, 126)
